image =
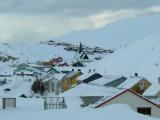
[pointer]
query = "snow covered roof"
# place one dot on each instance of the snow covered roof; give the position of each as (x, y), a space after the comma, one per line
(54, 77)
(53, 70)
(92, 77)
(28, 69)
(49, 78)
(106, 79)
(85, 75)
(104, 100)
(70, 74)
(90, 90)
(130, 82)
(59, 76)
(153, 90)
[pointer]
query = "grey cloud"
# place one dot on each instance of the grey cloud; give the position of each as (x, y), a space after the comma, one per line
(70, 7)
(27, 20)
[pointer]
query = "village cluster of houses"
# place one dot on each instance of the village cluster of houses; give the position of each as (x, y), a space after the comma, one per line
(5, 57)
(94, 89)
(79, 59)
(75, 48)
(97, 90)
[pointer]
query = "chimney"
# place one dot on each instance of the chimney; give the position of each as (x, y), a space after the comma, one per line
(136, 74)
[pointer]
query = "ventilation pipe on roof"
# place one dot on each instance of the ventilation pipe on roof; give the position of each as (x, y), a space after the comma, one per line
(136, 74)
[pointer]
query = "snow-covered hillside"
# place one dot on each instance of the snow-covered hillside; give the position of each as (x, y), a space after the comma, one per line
(117, 34)
(138, 38)
(33, 52)
(143, 57)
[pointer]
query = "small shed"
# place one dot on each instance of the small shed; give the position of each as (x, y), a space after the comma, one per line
(8, 103)
(51, 42)
(70, 80)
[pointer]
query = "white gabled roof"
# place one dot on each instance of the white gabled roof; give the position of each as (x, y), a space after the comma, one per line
(104, 100)
(130, 82)
(59, 76)
(54, 77)
(153, 90)
(70, 74)
(104, 80)
(91, 90)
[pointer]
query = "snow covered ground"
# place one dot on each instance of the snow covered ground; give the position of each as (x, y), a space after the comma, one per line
(31, 110)
(141, 57)
(33, 52)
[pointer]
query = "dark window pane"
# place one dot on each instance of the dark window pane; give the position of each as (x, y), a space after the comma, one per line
(145, 111)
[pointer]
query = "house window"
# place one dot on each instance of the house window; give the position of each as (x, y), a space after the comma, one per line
(142, 85)
(144, 110)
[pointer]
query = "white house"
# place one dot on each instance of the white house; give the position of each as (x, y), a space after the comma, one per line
(134, 100)
(52, 83)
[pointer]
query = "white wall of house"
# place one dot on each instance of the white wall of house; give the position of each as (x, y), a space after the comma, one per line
(50, 85)
(134, 102)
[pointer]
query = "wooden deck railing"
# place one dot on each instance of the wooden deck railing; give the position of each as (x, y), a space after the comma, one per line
(54, 103)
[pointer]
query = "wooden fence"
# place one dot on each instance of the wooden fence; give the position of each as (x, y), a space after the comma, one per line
(54, 103)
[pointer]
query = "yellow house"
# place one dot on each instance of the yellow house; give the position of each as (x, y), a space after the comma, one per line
(69, 80)
(136, 84)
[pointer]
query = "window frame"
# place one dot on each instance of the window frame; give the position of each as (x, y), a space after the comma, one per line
(145, 110)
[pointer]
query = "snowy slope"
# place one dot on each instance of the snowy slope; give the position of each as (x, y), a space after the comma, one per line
(116, 34)
(142, 57)
(33, 52)
(141, 54)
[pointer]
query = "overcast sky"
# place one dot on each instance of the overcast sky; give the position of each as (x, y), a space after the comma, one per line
(28, 20)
